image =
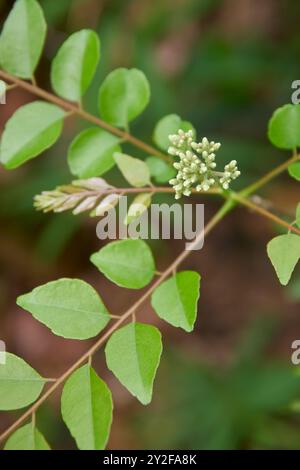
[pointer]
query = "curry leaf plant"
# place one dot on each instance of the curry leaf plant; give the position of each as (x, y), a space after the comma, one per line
(71, 308)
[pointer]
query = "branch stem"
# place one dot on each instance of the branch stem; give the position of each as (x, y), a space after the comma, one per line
(231, 200)
(74, 108)
(264, 212)
(252, 188)
(226, 207)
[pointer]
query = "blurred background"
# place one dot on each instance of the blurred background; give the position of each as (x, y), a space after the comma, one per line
(224, 65)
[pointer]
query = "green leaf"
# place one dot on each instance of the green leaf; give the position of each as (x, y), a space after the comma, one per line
(87, 407)
(284, 253)
(284, 127)
(22, 38)
(20, 384)
(133, 354)
(91, 152)
(175, 300)
(298, 215)
(135, 171)
(27, 438)
(160, 170)
(168, 125)
(138, 206)
(69, 307)
(74, 65)
(294, 170)
(123, 96)
(127, 263)
(32, 129)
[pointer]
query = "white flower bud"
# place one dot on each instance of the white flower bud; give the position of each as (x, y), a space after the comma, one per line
(172, 151)
(87, 204)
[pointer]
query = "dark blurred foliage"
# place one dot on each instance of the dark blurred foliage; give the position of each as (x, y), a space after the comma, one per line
(225, 65)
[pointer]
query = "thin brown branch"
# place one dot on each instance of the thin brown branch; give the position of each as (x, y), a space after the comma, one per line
(184, 254)
(270, 176)
(232, 200)
(68, 106)
(264, 212)
(145, 189)
(158, 189)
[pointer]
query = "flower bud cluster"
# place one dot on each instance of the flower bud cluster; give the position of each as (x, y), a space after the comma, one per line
(196, 165)
(80, 195)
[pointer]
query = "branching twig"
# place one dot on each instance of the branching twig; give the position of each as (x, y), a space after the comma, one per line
(232, 200)
(68, 106)
(211, 224)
